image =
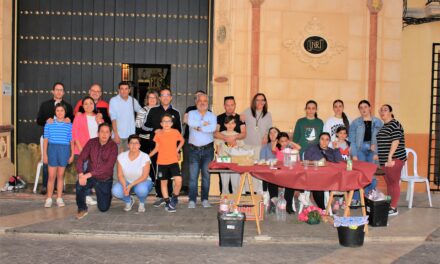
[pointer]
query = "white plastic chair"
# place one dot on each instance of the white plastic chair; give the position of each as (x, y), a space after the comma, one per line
(39, 165)
(415, 178)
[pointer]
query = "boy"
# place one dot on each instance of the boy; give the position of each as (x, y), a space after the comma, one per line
(167, 160)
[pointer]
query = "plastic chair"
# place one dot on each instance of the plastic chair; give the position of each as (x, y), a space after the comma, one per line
(415, 178)
(39, 165)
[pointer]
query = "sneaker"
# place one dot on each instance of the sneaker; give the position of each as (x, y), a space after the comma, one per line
(174, 200)
(141, 208)
(355, 204)
(206, 204)
(129, 205)
(90, 200)
(48, 203)
(159, 202)
(392, 211)
(304, 199)
(60, 202)
(169, 208)
(81, 214)
(43, 190)
(191, 205)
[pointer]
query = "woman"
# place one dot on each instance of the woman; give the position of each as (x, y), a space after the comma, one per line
(318, 152)
(340, 119)
(392, 153)
(133, 171)
(151, 100)
(267, 154)
(85, 126)
(363, 131)
(258, 121)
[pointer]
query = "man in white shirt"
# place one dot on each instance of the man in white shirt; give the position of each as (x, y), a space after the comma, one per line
(202, 125)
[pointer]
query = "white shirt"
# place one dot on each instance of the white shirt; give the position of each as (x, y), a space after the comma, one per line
(332, 125)
(132, 169)
(92, 125)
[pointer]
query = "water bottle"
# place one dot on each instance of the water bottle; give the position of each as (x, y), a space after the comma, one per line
(266, 201)
(281, 208)
(349, 164)
(224, 205)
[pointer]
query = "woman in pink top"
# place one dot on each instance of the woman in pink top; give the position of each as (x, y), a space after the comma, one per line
(85, 125)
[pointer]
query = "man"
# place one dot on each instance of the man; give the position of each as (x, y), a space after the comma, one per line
(101, 154)
(153, 121)
(240, 128)
(101, 106)
(122, 109)
(185, 160)
(46, 114)
(202, 124)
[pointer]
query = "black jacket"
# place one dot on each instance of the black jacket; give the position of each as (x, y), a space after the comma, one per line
(155, 116)
(47, 110)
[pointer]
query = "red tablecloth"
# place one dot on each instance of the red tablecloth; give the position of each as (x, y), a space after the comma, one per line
(332, 177)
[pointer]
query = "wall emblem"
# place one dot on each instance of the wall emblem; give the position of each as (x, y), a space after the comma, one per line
(313, 46)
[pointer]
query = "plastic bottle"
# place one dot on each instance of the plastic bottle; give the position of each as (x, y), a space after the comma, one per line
(224, 205)
(349, 164)
(266, 201)
(281, 208)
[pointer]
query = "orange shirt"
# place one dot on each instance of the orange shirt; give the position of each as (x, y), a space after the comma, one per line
(167, 152)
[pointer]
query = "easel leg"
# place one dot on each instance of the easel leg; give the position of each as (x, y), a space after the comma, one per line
(329, 204)
(347, 203)
(257, 215)
(364, 213)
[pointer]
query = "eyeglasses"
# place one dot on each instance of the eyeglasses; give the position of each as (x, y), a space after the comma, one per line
(134, 143)
(152, 97)
(167, 121)
(260, 100)
(165, 95)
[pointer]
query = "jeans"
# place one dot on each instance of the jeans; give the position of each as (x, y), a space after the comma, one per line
(141, 190)
(46, 175)
(103, 194)
(365, 154)
(199, 159)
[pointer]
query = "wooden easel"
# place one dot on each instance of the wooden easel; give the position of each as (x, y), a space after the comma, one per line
(348, 202)
(243, 177)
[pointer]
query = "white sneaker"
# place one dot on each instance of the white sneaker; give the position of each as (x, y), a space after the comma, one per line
(191, 205)
(304, 199)
(60, 202)
(129, 205)
(141, 208)
(206, 204)
(48, 203)
(90, 200)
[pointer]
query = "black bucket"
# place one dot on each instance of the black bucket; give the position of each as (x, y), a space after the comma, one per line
(231, 229)
(351, 237)
(377, 212)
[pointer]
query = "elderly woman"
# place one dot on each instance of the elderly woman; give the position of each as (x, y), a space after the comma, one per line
(133, 170)
(151, 101)
(392, 153)
(258, 121)
(318, 152)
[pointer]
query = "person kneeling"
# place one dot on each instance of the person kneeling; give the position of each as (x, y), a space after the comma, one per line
(133, 173)
(166, 141)
(101, 153)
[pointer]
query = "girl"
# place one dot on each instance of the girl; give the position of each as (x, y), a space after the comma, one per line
(308, 128)
(340, 119)
(282, 143)
(222, 148)
(341, 142)
(58, 152)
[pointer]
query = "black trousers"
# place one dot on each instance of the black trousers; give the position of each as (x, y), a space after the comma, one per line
(318, 196)
(103, 194)
(273, 189)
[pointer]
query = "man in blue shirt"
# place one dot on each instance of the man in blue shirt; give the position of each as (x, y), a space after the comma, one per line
(122, 108)
(202, 125)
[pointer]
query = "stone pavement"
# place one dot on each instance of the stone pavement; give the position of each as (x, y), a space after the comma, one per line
(22, 215)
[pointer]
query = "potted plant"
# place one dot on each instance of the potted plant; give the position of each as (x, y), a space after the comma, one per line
(312, 215)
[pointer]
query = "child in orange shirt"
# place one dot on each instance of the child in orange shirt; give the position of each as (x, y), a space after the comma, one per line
(167, 161)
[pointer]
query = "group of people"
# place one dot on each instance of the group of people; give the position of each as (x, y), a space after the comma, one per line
(146, 145)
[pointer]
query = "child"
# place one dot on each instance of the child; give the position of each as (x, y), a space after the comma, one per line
(167, 160)
(278, 146)
(58, 152)
(341, 142)
(222, 148)
(281, 143)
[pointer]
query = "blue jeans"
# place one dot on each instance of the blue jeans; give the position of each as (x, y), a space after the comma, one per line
(199, 159)
(365, 154)
(103, 194)
(141, 190)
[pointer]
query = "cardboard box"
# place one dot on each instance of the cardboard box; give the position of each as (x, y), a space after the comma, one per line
(246, 206)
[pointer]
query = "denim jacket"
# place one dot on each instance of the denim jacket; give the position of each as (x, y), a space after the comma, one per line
(357, 131)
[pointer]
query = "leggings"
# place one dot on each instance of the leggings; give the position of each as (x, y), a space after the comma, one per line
(392, 179)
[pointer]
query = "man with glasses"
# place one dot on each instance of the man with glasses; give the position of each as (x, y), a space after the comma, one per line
(153, 121)
(101, 106)
(46, 113)
(240, 128)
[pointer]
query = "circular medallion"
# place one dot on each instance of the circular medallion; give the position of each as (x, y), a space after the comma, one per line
(315, 45)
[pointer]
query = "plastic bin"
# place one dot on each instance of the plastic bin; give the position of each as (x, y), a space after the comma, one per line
(231, 229)
(377, 212)
(351, 237)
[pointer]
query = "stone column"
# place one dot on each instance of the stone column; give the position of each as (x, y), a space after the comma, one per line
(374, 6)
(255, 46)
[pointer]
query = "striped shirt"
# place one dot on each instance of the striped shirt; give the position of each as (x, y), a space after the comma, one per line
(391, 131)
(58, 133)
